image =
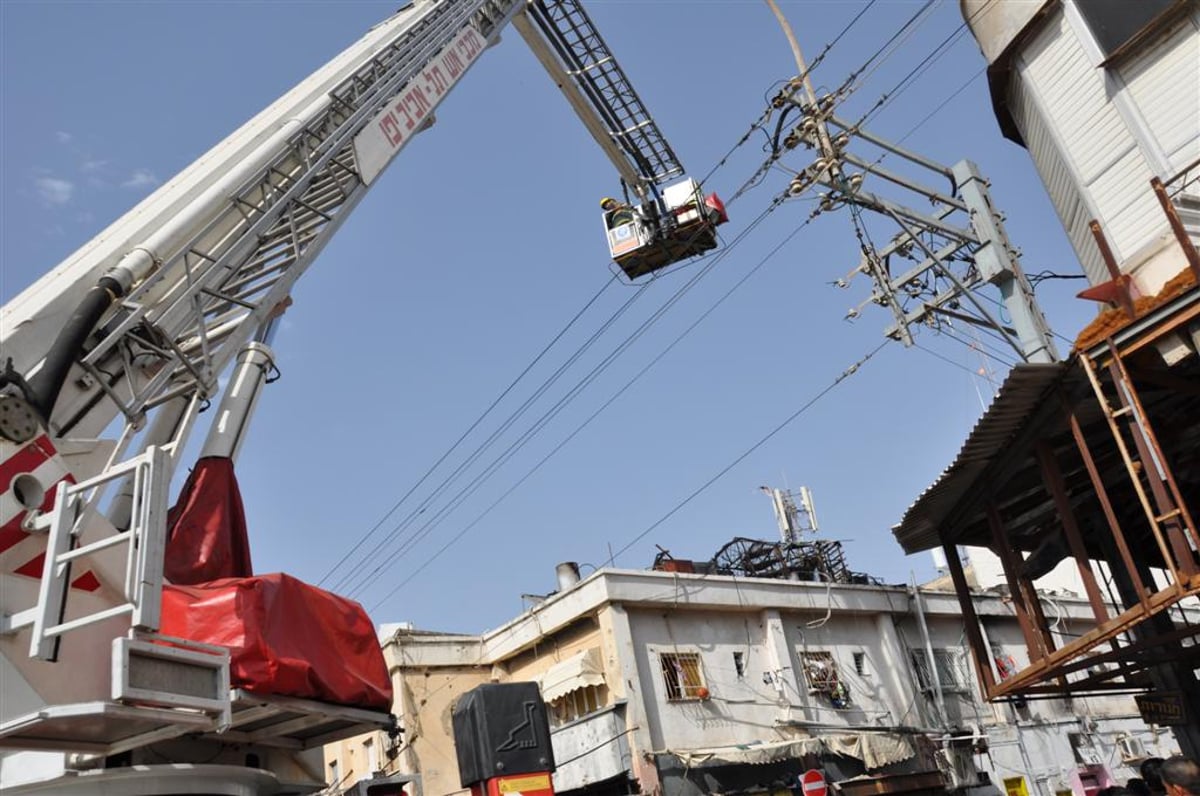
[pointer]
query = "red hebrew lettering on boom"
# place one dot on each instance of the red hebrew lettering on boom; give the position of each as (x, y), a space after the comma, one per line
(435, 81)
(393, 126)
(415, 101)
(454, 64)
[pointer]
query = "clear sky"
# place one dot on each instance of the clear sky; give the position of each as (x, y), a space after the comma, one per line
(479, 244)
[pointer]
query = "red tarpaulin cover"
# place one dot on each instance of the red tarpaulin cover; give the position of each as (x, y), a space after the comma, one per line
(206, 530)
(285, 637)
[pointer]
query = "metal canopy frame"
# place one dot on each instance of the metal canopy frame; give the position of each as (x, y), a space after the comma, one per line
(1106, 457)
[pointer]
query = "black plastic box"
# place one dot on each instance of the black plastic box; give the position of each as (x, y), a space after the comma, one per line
(501, 729)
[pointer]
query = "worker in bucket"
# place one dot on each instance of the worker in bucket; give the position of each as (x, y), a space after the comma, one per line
(616, 212)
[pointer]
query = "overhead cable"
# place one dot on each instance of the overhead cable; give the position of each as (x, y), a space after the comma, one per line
(483, 447)
(362, 540)
(549, 415)
(578, 429)
(845, 374)
(395, 506)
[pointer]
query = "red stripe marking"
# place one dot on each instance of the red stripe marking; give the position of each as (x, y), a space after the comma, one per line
(33, 569)
(86, 582)
(25, 460)
(11, 533)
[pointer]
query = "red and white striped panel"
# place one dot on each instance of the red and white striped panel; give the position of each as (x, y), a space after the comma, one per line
(23, 553)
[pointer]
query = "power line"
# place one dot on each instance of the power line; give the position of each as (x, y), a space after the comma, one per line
(936, 110)
(845, 374)
(527, 435)
(479, 451)
(483, 447)
(908, 27)
(598, 411)
(945, 359)
(548, 416)
(362, 540)
(915, 73)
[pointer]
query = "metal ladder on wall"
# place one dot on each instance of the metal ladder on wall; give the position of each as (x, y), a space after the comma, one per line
(1150, 474)
(590, 64)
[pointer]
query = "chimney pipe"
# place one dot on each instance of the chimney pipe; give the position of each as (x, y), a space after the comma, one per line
(568, 575)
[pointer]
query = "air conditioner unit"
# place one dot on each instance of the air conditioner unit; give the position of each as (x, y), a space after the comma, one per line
(1131, 748)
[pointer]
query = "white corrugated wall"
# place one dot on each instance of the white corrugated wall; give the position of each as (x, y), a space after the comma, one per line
(1058, 179)
(1076, 134)
(1163, 81)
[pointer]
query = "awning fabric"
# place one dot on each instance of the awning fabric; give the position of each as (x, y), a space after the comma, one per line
(578, 671)
(875, 749)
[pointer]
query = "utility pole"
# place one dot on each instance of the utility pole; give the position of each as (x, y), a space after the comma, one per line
(953, 251)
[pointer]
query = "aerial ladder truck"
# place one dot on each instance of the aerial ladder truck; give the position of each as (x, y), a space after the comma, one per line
(138, 652)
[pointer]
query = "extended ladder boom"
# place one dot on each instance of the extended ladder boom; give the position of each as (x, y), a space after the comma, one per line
(580, 63)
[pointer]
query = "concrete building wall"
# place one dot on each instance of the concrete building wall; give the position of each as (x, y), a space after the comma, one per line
(751, 638)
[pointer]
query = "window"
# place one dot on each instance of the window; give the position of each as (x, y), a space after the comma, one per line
(739, 664)
(682, 676)
(577, 704)
(952, 670)
(860, 664)
(1117, 23)
(372, 753)
(820, 672)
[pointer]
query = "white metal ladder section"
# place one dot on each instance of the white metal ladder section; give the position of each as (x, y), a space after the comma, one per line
(146, 541)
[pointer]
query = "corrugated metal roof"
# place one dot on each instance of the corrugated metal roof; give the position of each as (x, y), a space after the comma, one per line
(1023, 391)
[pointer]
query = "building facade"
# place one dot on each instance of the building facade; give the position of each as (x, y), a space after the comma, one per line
(679, 683)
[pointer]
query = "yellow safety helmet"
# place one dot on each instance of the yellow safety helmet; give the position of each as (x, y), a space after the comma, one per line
(606, 201)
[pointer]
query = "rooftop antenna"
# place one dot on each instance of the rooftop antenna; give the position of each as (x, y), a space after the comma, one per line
(794, 512)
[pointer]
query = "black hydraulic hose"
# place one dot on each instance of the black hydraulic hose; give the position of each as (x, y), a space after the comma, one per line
(48, 382)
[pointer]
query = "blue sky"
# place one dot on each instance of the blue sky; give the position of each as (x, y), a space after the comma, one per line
(478, 245)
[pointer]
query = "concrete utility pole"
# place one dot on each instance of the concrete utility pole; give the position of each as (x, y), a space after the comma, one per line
(824, 142)
(951, 257)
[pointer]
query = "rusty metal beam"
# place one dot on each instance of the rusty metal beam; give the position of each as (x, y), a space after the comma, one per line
(1007, 555)
(1185, 242)
(1121, 623)
(1039, 618)
(1120, 281)
(979, 650)
(1052, 476)
(1135, 648)
(1173, 512)
(1105, 502)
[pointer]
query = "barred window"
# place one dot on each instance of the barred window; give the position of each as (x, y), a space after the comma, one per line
(952, 670)
(820, 670)
(682, 675)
